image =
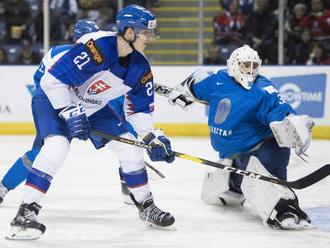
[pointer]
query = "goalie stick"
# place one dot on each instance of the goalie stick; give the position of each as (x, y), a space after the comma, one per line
(301, 183)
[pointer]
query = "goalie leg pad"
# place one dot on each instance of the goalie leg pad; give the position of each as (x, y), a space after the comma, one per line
(216, 189)
(214, 184)
(263, 196)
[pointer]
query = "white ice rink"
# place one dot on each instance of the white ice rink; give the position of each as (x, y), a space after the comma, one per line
(84, 206)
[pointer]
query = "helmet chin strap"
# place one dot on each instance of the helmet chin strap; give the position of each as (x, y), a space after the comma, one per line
(130, 43)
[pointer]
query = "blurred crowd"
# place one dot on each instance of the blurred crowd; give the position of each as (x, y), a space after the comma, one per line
(255, 22)
(21, 24)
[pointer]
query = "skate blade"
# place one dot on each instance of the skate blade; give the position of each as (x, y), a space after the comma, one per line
(302, 225)
(20, 233)
(157, 227)
(127, 200)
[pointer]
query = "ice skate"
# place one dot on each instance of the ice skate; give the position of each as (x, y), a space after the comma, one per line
(25, 225)
(287, 215)
(3, 192)
(154, 217)
(125, 190)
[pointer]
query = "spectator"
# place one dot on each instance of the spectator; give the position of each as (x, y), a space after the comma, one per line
(213, 55)
(302, 47)
(228, 24)
(90, 9)
(317, 21)
(2, 11)
(143, 3)
(3, 56)
(246, 6)
(39, 27)
(63, 13)
(100, 11)
(28, 56)
(299, 12)
(291, 3)
(260, 31)
(68, 36)
(17, 15)
(289, 48)
(65, 9)
(318, 55)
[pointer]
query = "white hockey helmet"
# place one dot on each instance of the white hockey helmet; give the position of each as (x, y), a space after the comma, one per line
(243, 65)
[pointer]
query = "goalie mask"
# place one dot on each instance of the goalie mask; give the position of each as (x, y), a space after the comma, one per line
(243, 65)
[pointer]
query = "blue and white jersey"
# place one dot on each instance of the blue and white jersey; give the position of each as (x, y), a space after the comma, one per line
(239, 118)
(48, 60)
(90, 73)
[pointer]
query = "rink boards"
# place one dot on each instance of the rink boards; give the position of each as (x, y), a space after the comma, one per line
(304, 87)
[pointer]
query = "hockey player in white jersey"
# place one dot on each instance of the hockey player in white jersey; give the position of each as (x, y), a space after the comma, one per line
(252, 129)
(18, 172)
(73, 99)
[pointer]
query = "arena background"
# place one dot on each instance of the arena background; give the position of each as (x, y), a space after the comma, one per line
(304, 87)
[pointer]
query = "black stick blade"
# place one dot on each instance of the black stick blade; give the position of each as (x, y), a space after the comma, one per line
(312, 178)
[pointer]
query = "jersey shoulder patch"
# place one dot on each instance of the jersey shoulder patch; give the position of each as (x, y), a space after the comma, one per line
(95, 52)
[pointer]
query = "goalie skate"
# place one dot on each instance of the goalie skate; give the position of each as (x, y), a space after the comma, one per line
(287, 215)
(25, 225)
(154, 217)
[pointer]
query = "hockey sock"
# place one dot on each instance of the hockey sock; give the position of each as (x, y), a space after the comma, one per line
(38, 184)
(137, 182)
(19, 170)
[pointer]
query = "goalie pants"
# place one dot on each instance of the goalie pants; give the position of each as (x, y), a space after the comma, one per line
(275, 159)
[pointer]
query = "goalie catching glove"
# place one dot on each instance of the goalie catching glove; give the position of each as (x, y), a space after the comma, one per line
(295, 131)
(182, 94)
(160, 146)
(76, 120)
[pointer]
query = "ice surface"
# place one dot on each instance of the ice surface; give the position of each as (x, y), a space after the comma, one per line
(84, 206)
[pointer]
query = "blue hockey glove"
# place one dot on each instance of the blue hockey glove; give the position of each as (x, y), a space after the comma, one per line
(77, 121)
(160, 146)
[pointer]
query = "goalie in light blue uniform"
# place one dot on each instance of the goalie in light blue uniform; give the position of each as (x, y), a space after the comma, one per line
(252, 129)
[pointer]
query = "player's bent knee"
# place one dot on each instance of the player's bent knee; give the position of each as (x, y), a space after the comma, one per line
(52, 154)
(263, 196)
(130, 157)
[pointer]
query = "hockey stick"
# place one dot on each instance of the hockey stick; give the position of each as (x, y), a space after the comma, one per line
(301, 183)
(154, 169)
(163, 90)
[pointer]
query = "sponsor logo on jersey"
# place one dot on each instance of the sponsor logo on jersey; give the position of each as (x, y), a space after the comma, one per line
(97, 88)
(86, 100)
(305, 93)
(95, 52)
(146, 78)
